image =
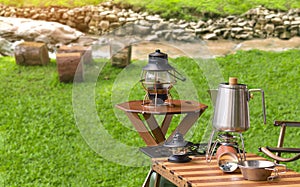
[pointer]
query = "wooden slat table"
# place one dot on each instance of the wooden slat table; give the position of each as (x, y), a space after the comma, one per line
(200, 173)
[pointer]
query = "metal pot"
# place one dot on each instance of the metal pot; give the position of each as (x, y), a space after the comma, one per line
(259, 170)
(231, 113)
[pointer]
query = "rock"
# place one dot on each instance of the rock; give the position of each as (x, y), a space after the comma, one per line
(295, 22)
(285, 35)
(131, 19)
(87, 19)
(242, 24)
(6, 47)
(269, 28)
(82, 27)
(244, 36)
(104, 25)
(226, 34)
(178, 32)
(119, 31)
(160, 26)
(210, 36)
(115, 25)
(27, 29)
(210, 21)
(112, 18)
(251, 23)
(65, 16)
(248, 29)
(270, 16)
(184, 25)
(200, 24)
(277, 21)
(231, 17)
(153, 19)
(286, 23)
(237, 29)
(201, 31)
(262, 21)
(218, 32)
(104, 13)
(71, 23)
(134, 15)
(129, 28)
(285, 17)
(168, 36)
(294, 32)
(186, 38)
(279, 28)
(144, 23)
(122, 19)
(153, 37)
(141, 30)
(259, 34)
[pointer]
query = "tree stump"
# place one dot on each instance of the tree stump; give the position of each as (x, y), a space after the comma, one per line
(85, 52)
(31, 53)
(120, 57)
(69, 67)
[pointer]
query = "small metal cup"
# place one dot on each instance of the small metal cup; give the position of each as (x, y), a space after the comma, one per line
(227, 158)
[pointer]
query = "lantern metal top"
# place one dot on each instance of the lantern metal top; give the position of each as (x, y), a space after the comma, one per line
(158, 54)
(158, 61)
(176, 141)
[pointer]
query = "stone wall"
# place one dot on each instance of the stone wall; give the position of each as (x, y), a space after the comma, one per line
(256, 23)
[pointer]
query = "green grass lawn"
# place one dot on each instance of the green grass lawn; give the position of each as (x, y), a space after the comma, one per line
(41, 144)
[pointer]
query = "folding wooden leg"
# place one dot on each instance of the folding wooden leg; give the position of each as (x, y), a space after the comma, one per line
(141, 128)
(187, 122)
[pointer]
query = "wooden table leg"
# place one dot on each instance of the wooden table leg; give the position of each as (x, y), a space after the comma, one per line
(154, 127)
(166, 123)
(141, 128)
(187, 122)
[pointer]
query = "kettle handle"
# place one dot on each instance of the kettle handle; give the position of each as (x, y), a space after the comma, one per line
(262, 100)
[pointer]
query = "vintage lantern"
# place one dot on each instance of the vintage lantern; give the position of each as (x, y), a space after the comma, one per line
(158, 77)
(179, 149)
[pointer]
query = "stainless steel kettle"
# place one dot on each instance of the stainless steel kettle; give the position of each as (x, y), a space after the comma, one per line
(231, 113)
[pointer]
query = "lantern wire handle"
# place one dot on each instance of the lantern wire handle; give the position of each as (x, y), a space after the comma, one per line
(180, 77)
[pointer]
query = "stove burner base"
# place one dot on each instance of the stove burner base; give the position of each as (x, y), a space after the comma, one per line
(179, 159)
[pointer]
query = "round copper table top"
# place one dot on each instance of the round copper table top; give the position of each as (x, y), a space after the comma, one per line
(176, 107)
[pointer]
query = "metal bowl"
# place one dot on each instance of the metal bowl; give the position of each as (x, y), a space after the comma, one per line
(257, 170)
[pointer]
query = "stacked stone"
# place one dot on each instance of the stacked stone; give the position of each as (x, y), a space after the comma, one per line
(109, 17)
(271, 23)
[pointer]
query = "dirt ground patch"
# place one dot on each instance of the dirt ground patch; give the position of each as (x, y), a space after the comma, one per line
(211, 49)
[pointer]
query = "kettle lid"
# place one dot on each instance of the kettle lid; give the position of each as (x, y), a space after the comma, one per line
(233, 84)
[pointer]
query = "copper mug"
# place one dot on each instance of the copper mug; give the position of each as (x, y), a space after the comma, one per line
(227, 158)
